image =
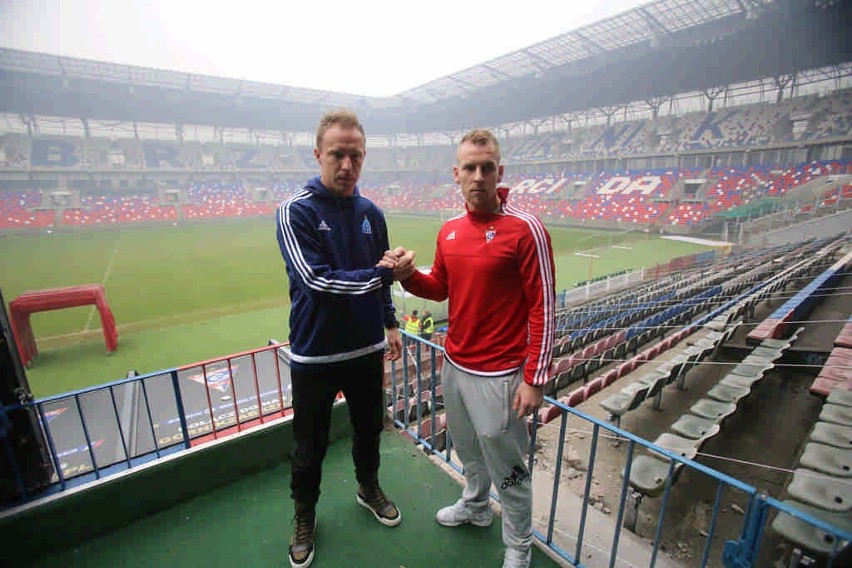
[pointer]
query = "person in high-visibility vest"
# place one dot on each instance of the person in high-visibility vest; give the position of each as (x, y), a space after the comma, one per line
(427, 326)
(412, 325)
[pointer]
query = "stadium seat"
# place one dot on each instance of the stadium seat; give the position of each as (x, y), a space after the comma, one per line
(578, 371)
(830, 434)
(574, 398)
(776, 343)
(827, 459)
(593, 387)
(718, 323)
(562, 365)
(684, 447)
(762, 352)
(841, 397)
(752, 369)
(610, 377)
(553, 412)
(626, 367)
(713, 409)
(629, 398)
(728, 393)
(823, 386)
(695, 428)
(829, 493)
(655, 381)
(673, 367)
(807, 535)
(740, 381)
(837, 414)
(648, 474)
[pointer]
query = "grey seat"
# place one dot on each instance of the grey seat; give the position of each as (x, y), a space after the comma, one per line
(669, 370)
(692, 359)
(776, 343)
(832, 434)
(651, 377)
(783, 343)
(627, 399)
(752, 368)
(695, 427)
(728, 393)
(715, 337)
(719, 323)
(805, 534)
(766, 352)
(684, 447)
(836, 413)
(740, 381)
(648, 474)
(713, 409)
(825, 492)
(674, 366)
(655, 381)
(839, 396)
(827, 459)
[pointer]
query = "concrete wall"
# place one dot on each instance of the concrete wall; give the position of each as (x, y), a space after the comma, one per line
(819, 227)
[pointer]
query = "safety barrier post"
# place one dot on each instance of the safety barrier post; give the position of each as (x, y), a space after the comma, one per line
(181, 411)
(742, 553)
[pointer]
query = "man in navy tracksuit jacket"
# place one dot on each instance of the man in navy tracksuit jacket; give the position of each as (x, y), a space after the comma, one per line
(339, 298)
(336, 250)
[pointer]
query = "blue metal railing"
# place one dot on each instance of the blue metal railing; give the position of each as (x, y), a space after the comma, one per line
(735, 552)
(164, 416)
(98, 431)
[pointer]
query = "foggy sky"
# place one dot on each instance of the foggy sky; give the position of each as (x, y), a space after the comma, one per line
(373, 48)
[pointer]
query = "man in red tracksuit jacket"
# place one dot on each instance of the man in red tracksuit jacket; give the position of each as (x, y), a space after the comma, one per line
(495, 264)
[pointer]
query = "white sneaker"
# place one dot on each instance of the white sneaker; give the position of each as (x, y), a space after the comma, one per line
(460, 514)
(517, 557)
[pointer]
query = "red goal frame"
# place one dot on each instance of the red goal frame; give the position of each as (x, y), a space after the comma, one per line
(22, 307)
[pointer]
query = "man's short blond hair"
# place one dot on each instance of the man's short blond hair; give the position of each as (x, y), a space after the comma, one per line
(481, 137)
(344, 118)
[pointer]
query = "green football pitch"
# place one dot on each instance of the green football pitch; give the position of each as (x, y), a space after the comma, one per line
(186, 293)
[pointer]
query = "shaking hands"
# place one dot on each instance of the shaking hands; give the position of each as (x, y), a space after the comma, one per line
(400, 260)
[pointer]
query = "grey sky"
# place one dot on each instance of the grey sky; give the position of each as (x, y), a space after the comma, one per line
(375, 48)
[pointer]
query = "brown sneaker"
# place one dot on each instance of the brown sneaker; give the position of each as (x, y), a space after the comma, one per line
(382, 508)
(302, 544)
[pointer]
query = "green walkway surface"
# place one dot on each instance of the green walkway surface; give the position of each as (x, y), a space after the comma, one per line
(247, 524)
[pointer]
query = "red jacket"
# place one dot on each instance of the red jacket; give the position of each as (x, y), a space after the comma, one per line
(497, 270)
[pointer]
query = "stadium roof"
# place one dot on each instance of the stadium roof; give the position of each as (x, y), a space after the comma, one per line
(648, 23)
(658, 49)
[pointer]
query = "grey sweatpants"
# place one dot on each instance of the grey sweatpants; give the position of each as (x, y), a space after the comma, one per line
(492, 444)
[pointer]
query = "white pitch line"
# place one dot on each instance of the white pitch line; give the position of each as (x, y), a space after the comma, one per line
(587, 255)
(107, 273)
(619, 247)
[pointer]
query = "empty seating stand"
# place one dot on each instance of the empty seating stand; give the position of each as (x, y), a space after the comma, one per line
(650, 384)
(797, 307)
(822, 484)
(705, 419)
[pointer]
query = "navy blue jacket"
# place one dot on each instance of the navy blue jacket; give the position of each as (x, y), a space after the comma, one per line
(340, 300)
